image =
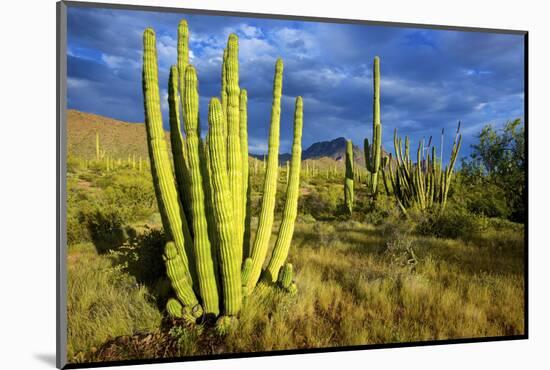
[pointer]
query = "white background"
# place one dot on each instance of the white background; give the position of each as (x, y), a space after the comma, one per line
(27, 182)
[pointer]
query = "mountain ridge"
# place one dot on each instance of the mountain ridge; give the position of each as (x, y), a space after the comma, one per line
(121, 139)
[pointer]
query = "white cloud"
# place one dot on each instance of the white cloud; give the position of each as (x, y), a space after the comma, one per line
(117, 62)
(75, 83)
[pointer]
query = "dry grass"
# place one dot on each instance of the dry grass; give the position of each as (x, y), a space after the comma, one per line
(351, 292)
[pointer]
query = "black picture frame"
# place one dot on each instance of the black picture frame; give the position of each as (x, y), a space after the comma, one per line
(61, 168)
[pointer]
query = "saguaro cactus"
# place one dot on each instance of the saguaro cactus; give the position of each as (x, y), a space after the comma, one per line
(348, 182)
(372, 152)
(206, 238)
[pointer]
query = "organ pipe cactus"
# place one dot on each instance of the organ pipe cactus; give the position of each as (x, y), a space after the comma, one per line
(348, 184)
(373, 152)
(423, 184)
(205, 203)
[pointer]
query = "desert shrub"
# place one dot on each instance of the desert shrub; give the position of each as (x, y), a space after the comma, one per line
(134, 195)
(481, 199)
(454, 222)
(141, 256)
(322, 202)
(107, 228)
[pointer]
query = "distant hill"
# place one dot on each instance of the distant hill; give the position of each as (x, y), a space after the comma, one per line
(335, 149)
(120, 139)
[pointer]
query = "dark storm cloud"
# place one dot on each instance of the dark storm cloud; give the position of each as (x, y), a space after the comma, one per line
(430, 78)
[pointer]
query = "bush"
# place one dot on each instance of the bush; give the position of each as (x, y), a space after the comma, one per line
(481, 199)
(322, 202)
(453, 223)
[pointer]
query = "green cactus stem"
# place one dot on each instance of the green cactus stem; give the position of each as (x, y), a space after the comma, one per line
(230, 266)
(372, 152)
(165, 188)
(348, 183)
(265, 224)
(286, 230)
(204, 260)
(234, 154)
(243, 133)
(97, 147)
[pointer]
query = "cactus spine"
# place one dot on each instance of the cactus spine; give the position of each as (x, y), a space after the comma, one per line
(263, 234)
(348, 183)
(282, 245)
(372, 152)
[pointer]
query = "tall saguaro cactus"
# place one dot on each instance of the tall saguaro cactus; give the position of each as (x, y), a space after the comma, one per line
(348, 182)
(372, 152)
(205, 203)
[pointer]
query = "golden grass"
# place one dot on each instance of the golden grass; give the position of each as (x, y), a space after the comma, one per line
(350, 292)
(102, 302)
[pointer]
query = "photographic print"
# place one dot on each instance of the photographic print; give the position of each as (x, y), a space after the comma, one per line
(245, 184)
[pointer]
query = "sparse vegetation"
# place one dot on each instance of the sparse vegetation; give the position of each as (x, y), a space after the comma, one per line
(355, 282)
(163, 262)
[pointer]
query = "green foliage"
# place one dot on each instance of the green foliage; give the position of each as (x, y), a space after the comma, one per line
(455, 223)
(495, 172)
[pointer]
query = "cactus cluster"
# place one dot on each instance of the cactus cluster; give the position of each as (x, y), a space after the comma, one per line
(205, 201)
(423, 184)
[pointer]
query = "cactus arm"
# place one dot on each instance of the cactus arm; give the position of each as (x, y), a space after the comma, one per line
(223, 93)
(234, 154)
(203, 253)
(243, 132)
(179, 279)
(230, 274)
(348, 184)
(263, 234)
(183, 55)
(173, 218)
(178, 147)
(286, 230)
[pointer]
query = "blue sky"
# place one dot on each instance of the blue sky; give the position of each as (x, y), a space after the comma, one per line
(429, 78)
